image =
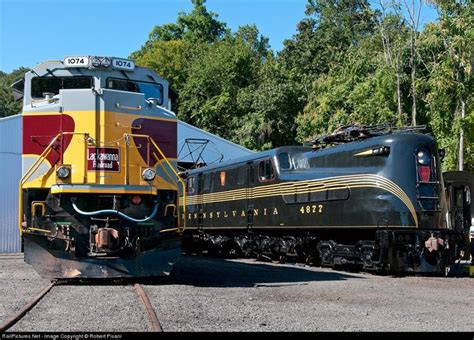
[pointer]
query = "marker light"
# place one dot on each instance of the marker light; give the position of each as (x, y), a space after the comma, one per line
(149, 174)
(136, 199)
(424, 173)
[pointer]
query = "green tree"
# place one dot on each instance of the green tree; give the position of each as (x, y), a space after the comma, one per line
(329, 28)
(272, 104)
(168, 59)
(448, 47)
(198, 26)
(360, 91)
(217, 75)
(8, 106)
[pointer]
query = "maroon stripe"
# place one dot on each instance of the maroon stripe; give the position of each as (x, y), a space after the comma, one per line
(164, 133)
(38, 131)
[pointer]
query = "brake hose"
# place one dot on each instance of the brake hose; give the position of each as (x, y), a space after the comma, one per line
(110, 211)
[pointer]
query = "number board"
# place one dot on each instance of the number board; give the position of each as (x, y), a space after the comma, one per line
(123, 64)
(76, 62)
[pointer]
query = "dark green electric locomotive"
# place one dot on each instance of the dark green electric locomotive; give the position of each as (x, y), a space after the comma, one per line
(366, 197)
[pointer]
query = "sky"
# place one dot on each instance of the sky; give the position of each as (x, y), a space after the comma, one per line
(32, 31)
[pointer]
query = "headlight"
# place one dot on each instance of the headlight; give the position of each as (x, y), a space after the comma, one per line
(63, 172)
(106, 62)
(423, 157)
(149, 174)
(101, 62)
(95, 62)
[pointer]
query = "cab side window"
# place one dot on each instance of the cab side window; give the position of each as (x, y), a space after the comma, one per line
(191, 185)
(265, 171)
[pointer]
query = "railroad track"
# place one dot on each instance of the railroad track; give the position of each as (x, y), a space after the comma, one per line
(153, 320)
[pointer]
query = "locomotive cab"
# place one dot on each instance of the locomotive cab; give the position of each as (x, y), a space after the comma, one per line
(99, 192)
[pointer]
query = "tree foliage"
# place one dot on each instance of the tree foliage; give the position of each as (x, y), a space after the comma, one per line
(8, 106)
(349, 62)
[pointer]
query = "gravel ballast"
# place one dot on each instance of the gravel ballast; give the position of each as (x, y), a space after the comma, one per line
(210, 294)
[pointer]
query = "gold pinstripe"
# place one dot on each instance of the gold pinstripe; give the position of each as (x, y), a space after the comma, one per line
(308, 186)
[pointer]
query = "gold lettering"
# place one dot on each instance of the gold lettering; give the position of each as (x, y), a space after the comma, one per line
(243, 213)
(320, 208)
(210, 215)
(189, 216)
(225, 214)
(255, 212)
(265, 211)
(195, 215)
(218, 214)
(234, 212)
(275, 211)
(204, 215)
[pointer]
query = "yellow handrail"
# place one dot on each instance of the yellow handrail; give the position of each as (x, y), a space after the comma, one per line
(32, 170)
(27, 175)
(180, 181)
(48, 149)
(44, 154)
(166, 171)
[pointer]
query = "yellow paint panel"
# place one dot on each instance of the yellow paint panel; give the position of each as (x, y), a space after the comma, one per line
(99, 190)
(106, 130)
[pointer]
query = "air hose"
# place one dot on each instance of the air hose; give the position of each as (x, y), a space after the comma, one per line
(110, 211)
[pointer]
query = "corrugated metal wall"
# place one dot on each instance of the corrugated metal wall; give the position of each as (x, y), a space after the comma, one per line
(10, 173)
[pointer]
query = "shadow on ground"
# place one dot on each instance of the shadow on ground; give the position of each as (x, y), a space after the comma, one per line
(215, 272)
(201, 271)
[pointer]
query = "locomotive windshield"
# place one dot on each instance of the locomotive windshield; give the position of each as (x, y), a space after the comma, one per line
(284, 161)
(150, 90)
(41, 85)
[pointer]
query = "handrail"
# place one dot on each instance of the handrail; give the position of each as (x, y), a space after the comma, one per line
(34, 167)
(134, 108)
(28, 174)
(150, 139)
(44, 154)
(179, 179)
(39, 160)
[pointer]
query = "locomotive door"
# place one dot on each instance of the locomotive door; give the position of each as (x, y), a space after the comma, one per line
(461, 207)
(250, 182)
(459, 190)
(200, 181)
(462, 217)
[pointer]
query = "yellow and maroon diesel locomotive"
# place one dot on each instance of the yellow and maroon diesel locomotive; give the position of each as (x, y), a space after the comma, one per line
(366, 197)
(99, 192)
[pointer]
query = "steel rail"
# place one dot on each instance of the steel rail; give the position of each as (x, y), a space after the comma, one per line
(17, 317)
(151, 314)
